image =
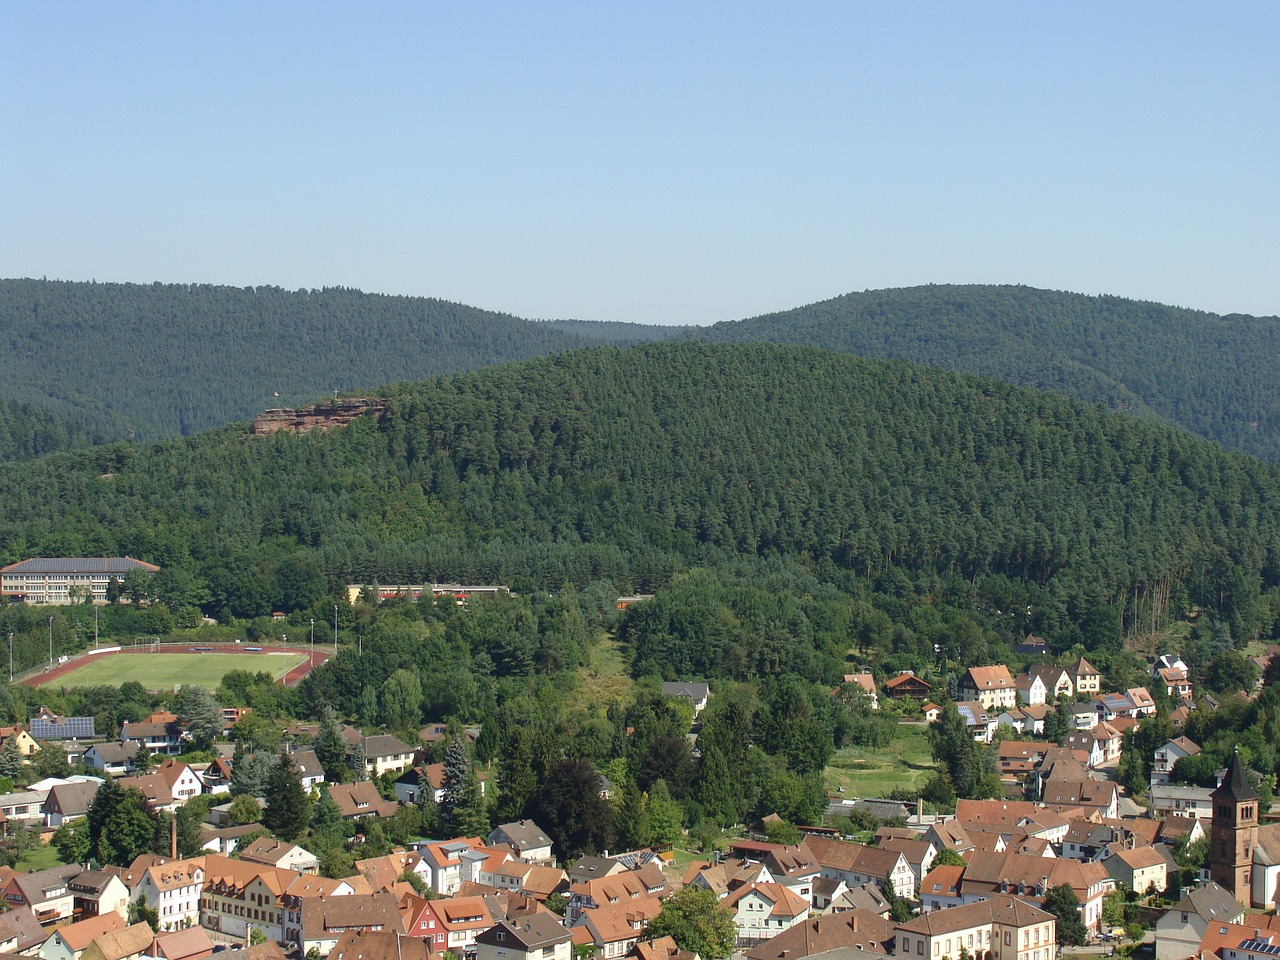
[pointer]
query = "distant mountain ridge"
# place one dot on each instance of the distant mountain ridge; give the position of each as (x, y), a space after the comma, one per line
(1217, 376)
(155, 360)
(105, 360)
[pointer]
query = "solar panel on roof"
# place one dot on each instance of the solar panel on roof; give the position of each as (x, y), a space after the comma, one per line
(66, 728)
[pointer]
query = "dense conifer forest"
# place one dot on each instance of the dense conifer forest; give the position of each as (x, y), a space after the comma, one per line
(1217, 376)
(634, 465)
(150, 361)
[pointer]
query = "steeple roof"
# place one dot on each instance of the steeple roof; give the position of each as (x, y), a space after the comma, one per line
(1235, 785)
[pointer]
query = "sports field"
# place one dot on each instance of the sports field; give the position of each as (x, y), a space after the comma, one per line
(164, 671)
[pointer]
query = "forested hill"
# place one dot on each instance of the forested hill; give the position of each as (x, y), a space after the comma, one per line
(628, 465)
(164, 359)
(1217, 376)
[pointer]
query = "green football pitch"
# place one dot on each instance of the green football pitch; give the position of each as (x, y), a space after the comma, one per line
(164, 671)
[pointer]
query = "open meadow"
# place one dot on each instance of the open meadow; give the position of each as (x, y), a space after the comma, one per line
(164, 671)
(874, 772)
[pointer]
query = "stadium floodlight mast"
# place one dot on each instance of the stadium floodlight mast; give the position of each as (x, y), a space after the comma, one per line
(335, 629)
(312, 653)
(51, 641)
(11, 656)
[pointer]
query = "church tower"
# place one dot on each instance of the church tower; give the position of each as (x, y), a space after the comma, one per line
(1235, 832)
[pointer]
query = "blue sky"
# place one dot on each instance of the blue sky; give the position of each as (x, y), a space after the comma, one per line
(654, 162)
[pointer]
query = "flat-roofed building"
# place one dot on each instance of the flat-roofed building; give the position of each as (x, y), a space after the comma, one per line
(62, 580)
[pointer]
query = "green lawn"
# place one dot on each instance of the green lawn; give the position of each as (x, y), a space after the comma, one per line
(164, 671)
(41, 858)
(867, 772)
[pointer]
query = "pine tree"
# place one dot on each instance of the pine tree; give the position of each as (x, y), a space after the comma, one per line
(358, 761)
(11, 759)
(329, 746)
(456, 766)
(141, 760)
(288, 810)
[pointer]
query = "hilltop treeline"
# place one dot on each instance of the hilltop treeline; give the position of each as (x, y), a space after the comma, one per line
(632, 465)
(156, 360)
(1217, 376)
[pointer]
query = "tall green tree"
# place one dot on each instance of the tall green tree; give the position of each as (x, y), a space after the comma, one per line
(1063, 903)
(288, 811)
(697, 921)
(200, 712)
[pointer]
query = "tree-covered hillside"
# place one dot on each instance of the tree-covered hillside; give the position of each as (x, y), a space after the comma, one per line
(148, 361)
(1217, 376)
(632, 465)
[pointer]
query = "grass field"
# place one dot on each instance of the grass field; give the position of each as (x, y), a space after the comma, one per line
(164, 671)
(866, 772)
(605, 680)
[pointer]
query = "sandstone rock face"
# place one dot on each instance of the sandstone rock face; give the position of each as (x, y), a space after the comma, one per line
(320, 416)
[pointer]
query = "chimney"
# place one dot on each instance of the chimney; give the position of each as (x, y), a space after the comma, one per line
(919, 809)
(173, 837)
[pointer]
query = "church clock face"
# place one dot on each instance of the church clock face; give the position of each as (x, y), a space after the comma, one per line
(1224, 833)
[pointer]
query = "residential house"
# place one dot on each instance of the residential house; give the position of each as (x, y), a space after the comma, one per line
(763, 910)
(1058, 682)
(69, 801)
(428, 776)
(127, 944)
(47, 725)
(379, 945)
(613, 930)
(1179, 800)
(326, 919)
(865, 681)
(1027, 719)
(448, 863)
(1176, 682)
(155, 788)
(695, 692)
(172, 889)
(857, 864)
(792, 865)
(1180, 930)
(631, 886)
(360, 799)
(25, 807)
(305, 887)
(1022, 875)
(1100, 796)
(383, 753)
(1031, 688)
(459, 921)
(1033, 819)
(18, 735)
(47, 892)
(1168, 755)
(113, 758)
(526, 839)
(98, 892)
(907, 685)
(184, 783)
(978, 719)
(191, 944)
(310, 772)
(1001, 928)
(853, 929)
(533, 937)
(992, 686)
(20, 931)
(1086, 677)
(71, 941)
(940, 888)
(1018, 758)
(919, 854)
(237, 895)
(949, 835)
(280, 853)
(1139, 868)
(157, 736)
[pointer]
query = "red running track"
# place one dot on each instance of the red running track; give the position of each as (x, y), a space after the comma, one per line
(289, 679)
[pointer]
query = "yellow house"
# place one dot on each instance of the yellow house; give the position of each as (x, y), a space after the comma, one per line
(26, 746)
